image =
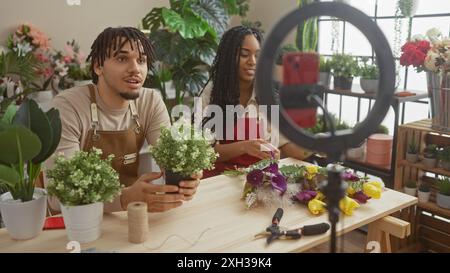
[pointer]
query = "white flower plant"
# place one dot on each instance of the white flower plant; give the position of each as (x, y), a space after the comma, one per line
(183, 149)
(83, 179)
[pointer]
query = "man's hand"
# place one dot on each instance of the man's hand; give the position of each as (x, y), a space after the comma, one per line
(189, 188)
(145, 191)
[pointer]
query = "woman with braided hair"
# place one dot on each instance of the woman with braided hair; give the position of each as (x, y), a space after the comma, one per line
(232, 84)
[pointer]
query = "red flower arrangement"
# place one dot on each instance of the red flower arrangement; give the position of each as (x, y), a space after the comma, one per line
(414, 53)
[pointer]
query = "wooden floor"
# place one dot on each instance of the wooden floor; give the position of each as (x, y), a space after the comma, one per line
(354, 242)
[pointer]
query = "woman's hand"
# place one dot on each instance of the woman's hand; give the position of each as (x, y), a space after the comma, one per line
(259, 148)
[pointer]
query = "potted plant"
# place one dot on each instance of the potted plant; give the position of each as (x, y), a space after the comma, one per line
(412, 155)
(444, 157)
(369, 76)
(77, 70)
(408, 8)
(324, 72)
(429, 155)
(423, 193)
(27, 138)
(181, 151)
(81, 184)
(411, 187)
(443, 196)
(344, 68)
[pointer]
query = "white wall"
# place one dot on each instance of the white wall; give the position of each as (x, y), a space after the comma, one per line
(62, 22)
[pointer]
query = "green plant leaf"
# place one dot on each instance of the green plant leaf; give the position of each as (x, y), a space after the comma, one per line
(10, 113)
(171, 48)
(190, 78)
(213, 13)
(32, 117)
(8, 176)
(13, 136)
(189, 26)
(55, 123)
(153, 20)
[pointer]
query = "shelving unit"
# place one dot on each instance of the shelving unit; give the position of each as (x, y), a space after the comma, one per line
(431, 223)
(387, 173)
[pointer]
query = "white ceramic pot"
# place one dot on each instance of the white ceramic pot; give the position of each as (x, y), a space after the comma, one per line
(83, 223)
(357, 152)
(443, 201)
(369, 85)
(325, 79)
(423, 196)
(429, 162)
(412, 158)
(24, 220)
(410, 191)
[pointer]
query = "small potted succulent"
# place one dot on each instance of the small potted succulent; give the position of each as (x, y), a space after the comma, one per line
(444, 157)
(181, 151)
(81, 184)
(423, 193)
(443, 196)
(411, 187)
(369, 76)
(430, 155)
(412, 155)
(344, 68)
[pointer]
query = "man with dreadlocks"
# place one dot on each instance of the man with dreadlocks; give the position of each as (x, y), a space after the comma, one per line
(232, 83)
(116, 115)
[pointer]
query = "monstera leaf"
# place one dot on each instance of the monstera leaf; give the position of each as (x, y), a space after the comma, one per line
(171, 48)
(153, 20)
(213, 12)
(190, 77)
(18, 142)
(189, 25)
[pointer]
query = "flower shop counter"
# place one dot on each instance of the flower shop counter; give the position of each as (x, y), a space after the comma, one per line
(216, 220)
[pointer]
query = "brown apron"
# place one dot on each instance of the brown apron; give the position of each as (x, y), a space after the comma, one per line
(124, 145)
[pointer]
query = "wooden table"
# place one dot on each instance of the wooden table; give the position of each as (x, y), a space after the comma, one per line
(219, 215)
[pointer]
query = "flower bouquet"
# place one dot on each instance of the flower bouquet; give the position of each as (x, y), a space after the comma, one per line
(271, 185)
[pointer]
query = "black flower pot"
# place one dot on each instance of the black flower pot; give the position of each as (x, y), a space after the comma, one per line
(343, 83)
(174, 178)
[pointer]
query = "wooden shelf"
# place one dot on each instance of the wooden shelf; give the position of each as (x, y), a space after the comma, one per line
(434, 208)
(423, 167)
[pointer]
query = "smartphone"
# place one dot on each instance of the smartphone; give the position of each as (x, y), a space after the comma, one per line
(301, 68)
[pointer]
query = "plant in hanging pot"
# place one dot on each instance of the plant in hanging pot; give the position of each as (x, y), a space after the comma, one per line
(324, 72)
(423, 193)
(411, 187)
(27, 138)
(408, 7)
(412, 155)
(81, 184)
(429, 155)
(443, 196)
(182, 151)
(369, 76)
(344, 68)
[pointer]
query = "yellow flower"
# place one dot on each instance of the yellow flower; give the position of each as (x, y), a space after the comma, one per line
(350, 190)
(320, 196)
(311, 171)
(347, 205)
(372, 189)
(316, 206)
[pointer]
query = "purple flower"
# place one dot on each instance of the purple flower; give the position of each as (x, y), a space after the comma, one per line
(255, 177)
(272, 168)
(278, 182)
(348, 176)
(306, 196)
(361, 197)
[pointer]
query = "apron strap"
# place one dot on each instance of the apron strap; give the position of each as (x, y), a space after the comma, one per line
(94, 113)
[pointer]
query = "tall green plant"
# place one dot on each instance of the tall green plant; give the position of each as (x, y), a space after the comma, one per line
(186, 37)
(26, 141)
(307, 31)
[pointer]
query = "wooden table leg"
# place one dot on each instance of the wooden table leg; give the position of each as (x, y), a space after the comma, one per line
(378, 236)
